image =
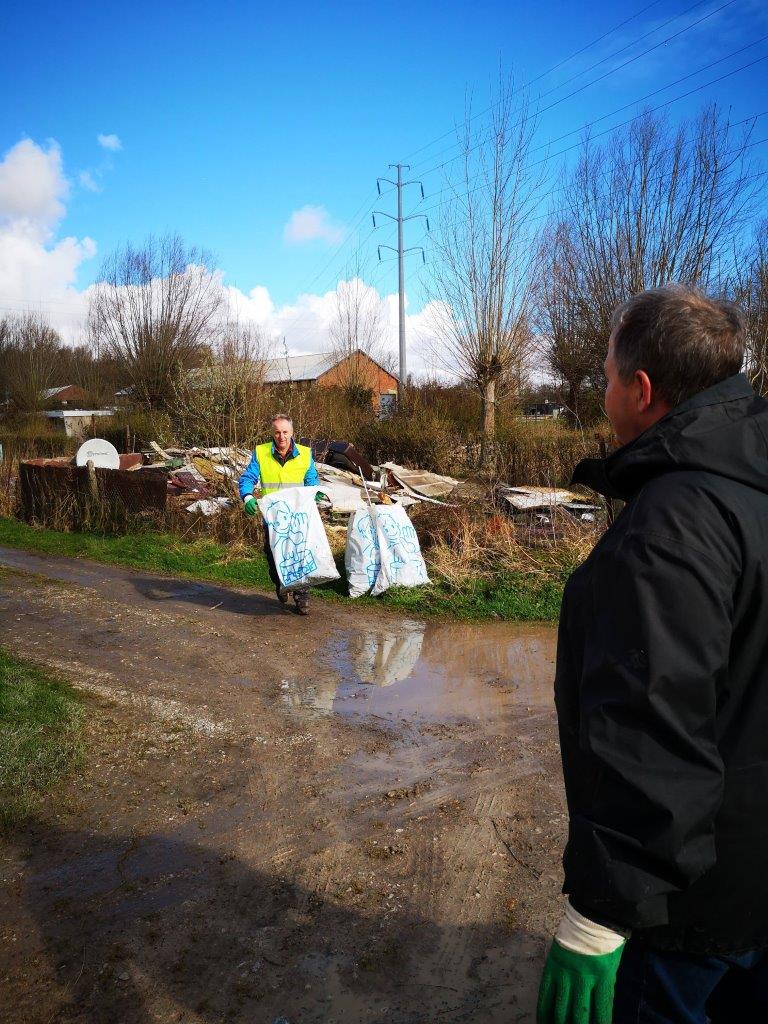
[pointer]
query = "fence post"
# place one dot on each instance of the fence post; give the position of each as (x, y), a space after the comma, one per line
(93, 485)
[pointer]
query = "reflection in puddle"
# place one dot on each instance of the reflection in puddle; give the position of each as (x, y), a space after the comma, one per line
(431, 672)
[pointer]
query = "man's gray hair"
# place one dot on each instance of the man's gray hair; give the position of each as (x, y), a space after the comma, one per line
(685, 341)
(281, 416)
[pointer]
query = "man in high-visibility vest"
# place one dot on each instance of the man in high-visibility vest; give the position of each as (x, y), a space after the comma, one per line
(276, 465)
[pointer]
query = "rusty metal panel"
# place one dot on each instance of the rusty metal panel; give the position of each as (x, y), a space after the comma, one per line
(137, 491)
(46, 484)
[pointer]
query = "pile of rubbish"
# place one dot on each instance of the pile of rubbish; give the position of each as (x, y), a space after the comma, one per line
(203, 481)
(347, 479)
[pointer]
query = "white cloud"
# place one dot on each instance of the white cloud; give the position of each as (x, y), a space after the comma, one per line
(312, 223)
(88, 182)
(110, 142)
(32, 186)
(37, 270)
(305, 323)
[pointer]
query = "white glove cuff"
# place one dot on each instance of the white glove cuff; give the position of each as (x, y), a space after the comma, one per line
(580, 935)
(246, 497)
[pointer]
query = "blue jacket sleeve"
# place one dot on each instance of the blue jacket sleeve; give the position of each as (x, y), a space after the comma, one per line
(249, 481)
(311, 477)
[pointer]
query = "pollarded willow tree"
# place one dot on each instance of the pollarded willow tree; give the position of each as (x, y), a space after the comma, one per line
(655, 204)
(483, 254)
(156, 309)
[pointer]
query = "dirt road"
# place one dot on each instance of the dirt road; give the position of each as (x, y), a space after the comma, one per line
(346, 818)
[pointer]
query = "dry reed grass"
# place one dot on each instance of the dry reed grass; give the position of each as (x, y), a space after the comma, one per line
(468, 544)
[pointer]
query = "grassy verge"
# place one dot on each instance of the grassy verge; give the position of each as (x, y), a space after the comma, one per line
(39, 736)
(513, 595)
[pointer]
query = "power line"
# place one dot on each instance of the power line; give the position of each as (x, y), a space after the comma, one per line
(589, 124)
(662, 42)
(622, 124)
(655, 92)
(543, 74)
(528, 117)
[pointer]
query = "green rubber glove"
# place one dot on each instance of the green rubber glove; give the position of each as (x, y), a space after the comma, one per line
(250, 506)
(577, 988)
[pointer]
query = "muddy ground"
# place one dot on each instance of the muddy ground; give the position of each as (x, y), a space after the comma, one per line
(346, 818)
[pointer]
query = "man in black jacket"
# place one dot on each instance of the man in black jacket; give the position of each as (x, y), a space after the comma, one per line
(662, 689)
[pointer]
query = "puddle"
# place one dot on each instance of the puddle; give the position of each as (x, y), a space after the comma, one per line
(431, 672)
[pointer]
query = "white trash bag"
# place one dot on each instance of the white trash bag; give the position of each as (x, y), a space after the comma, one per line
(383, 551)
(297, 538)
(402, 564)
(361, 559)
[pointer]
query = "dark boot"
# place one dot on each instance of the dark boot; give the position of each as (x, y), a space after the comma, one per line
(301, 597)
(282, 594)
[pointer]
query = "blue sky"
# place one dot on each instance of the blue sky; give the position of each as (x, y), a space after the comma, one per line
(230, 118)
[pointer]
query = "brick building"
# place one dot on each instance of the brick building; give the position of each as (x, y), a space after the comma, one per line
(323, 369)
(64, 397)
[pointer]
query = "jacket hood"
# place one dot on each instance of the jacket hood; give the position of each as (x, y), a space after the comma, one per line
(723, 430)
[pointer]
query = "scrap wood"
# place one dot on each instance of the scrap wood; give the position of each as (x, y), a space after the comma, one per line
(534, 499)
(205, 467)
(415, 496)
(421, 482)
(525, 498)
(160, 451)
(333, 473)
(235, 457)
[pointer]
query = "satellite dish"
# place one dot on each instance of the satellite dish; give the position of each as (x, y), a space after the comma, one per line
(103, 454)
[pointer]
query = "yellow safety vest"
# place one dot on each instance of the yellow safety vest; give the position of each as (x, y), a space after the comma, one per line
(273, 476)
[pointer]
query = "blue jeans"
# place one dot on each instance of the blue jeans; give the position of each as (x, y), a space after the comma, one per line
(655, 987)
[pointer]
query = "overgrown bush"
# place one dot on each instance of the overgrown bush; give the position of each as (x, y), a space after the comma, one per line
(426, 441)
(133, 429)
(470, 542)
(540, 452)
(35, 440)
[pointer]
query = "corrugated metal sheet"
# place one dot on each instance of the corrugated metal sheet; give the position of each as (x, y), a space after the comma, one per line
(431, 485)
(297, 368)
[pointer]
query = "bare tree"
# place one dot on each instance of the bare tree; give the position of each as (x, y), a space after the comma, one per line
(569, 348)
(224, 401)
(88, 366)
(655, 204)
(751, 288)
(358, 326)
(30, 356)
(155, 309)
(5, 347)
(483, 257)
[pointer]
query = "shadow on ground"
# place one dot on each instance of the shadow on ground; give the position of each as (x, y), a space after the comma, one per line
(207, 595)
(154, 929)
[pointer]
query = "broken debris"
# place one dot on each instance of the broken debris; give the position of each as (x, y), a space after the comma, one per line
(420, 482)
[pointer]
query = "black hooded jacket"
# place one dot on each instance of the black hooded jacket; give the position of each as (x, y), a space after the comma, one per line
(662, 683)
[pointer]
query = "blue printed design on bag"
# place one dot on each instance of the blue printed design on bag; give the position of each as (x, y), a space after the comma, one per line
(402, 548)
(367, 532)
(289, 531)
